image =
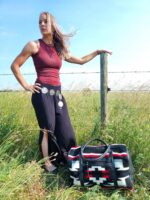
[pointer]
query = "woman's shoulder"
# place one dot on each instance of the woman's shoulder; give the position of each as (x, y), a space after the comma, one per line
(33, 46)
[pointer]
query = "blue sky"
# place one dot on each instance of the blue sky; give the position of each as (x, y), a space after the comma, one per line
(118, 25)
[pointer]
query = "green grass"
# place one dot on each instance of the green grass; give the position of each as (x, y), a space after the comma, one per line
(21, 175)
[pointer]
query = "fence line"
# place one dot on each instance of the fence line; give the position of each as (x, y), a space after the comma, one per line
(119, 81)
(94, 72)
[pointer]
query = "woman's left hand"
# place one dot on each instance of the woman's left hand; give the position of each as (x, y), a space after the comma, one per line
(103, 51)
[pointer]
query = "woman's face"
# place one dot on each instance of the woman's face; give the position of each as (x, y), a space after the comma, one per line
(45, 24)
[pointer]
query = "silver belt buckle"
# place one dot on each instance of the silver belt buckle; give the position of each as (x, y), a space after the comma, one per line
(57, 93)
(60, 104)
(52, 92)
(44, 90)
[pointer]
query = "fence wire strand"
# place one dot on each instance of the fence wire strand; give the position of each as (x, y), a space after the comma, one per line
(117, 80)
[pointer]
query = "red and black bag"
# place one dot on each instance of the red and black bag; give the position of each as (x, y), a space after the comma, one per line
(109, 166)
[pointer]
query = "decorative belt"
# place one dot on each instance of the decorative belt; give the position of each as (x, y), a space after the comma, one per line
(52, 92)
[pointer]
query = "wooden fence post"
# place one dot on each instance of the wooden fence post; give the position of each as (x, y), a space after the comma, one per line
(104, 89)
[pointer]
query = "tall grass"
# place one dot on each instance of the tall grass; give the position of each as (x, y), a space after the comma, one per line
(21, 175)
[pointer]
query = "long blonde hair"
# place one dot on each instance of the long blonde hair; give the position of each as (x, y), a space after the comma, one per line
(60, 39)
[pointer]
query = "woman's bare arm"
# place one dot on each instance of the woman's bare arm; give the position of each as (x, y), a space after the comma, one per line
(29, 49)
(72, 59)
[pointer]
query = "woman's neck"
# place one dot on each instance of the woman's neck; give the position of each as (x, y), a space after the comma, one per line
(47, 39)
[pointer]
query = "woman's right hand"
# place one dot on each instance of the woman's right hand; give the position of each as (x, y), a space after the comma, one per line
(103, 51)
(33, 88)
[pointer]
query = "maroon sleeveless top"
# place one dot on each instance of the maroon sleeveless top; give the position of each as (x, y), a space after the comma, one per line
(47, 64)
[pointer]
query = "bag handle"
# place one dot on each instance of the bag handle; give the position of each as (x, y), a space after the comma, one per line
(100, 157)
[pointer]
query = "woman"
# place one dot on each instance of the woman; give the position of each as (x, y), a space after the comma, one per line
(49, 104)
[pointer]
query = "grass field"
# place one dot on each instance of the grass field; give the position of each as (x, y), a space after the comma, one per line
(21, 176)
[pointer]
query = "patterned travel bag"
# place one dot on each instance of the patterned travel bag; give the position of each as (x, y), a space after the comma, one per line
(109, 166)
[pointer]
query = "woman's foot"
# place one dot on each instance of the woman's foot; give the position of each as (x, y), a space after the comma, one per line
(49, 167)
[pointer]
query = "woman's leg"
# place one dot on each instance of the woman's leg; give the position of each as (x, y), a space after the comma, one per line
(44, 146)
(39, 103)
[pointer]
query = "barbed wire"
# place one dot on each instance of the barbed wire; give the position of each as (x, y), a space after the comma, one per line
(91, 72)
(113, 84)
(93, 90)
